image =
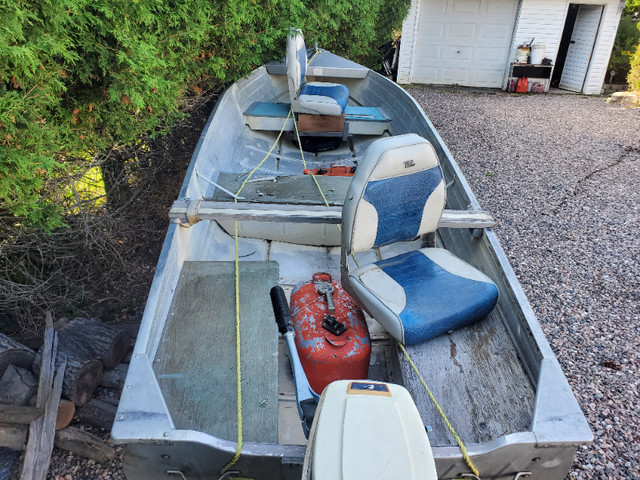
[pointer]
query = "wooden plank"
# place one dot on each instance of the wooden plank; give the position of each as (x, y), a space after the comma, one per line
(42, 430)
(196, 359)
(320, 123)
(19, 414)
(291, 189)
(13, 436)
(478, 381)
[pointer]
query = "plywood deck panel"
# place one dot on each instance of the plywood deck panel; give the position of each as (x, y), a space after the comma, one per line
(295, 189)
(196, 359)
(476, 378)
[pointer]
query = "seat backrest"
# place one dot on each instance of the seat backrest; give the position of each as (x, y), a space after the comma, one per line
(296, 62)
(397, 193)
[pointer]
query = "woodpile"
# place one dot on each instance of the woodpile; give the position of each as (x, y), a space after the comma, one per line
(42, 392)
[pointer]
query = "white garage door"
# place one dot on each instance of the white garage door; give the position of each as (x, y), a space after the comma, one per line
(464, 42)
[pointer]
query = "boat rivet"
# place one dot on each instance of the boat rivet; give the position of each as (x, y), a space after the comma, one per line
(128, 386)
(165, 434)
(121, 417)
(165, 456)
(137, 355)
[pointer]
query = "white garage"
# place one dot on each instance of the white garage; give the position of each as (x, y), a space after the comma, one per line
(473, 42)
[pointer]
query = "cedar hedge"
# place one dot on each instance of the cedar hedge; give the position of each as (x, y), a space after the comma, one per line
(78, 76)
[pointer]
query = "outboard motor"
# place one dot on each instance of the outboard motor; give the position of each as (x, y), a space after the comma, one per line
(360, 429)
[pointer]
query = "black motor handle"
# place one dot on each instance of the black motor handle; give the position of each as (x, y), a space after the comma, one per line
(281, 309)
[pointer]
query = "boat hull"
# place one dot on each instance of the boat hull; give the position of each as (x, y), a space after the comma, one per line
(527, 420)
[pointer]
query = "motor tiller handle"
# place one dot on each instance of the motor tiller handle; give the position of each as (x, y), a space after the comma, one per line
(281, 309)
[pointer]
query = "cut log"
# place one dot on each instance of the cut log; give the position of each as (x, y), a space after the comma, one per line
(115, 378)
(13, 436)
(19, 414)
(13, 352)
(17, 386)
(97, 413)
(83, 371)
(66, 412)
(131, 328)
(84, 444)
(8, 458)
(107, 344)
(109, 400)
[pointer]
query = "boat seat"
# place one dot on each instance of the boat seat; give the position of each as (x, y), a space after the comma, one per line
(319, 98)
(397, 194)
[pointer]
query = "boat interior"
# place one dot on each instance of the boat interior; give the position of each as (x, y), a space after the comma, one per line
(461, 367)
(484, 374)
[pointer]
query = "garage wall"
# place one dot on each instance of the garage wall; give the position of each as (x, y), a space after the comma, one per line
(539, 19)
(544, 20)
(407, 44)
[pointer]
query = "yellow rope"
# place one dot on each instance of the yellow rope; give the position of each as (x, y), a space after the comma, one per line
(463, 449)
(237, 288)
(316, 52)
(304, 162)
(315, 180)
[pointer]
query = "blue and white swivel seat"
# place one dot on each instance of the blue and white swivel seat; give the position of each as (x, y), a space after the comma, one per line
(397, 194)
(315, 98)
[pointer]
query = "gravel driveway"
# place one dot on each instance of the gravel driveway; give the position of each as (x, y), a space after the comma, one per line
(561, 174)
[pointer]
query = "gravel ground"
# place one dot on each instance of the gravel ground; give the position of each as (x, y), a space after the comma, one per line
(561, 174)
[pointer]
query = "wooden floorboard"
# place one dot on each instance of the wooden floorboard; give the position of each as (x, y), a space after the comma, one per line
(196, 359)
(476, 378)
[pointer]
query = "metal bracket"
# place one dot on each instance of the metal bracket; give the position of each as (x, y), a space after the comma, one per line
(177, 473)
(229, 474)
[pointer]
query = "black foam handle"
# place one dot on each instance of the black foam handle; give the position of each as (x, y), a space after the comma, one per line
(281, 309)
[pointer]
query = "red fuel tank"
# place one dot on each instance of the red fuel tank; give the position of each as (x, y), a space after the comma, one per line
(331, 334)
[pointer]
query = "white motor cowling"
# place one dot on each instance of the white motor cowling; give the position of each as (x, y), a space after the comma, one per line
(367, 430)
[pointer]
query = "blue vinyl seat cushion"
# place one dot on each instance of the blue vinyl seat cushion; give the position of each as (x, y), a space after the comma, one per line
(328, 97)
(424, 293)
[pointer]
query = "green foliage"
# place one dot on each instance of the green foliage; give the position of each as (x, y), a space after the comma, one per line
(78, 76)
(632, 7)
(626, 41)
(633, 79)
